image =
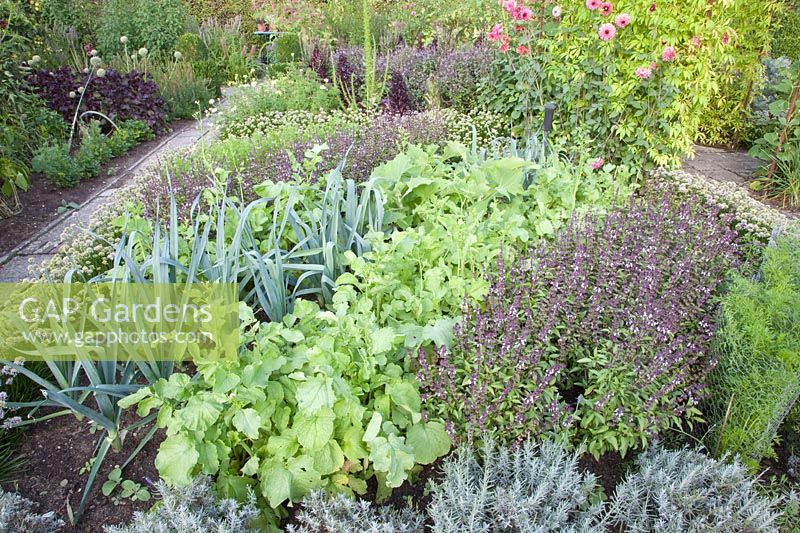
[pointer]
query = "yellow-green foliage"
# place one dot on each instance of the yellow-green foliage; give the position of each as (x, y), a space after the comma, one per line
(219, 9)
(757, 382)
(739, 74)
(786, 32)
(636, 104)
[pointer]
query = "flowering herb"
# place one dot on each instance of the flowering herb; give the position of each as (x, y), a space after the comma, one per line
(604, 331)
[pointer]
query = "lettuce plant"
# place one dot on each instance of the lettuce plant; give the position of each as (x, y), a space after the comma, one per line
(319, 400)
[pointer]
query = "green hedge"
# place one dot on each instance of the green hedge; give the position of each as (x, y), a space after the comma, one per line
(786, 33)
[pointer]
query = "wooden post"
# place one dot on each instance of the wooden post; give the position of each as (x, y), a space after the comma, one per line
(782, 139)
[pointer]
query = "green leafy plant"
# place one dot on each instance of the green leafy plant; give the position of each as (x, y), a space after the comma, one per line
(637, 79)
(25, 124)
(786, 32)
(298, 89)
(184, 93)
(779, 145)
(63, 168)
(286, 417)
(224, 58)
(153, 24)
(128, 489)
(756, 383)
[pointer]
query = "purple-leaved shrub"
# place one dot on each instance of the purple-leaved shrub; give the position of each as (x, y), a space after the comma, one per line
(414, 74)
(132, 96)
(603, 333)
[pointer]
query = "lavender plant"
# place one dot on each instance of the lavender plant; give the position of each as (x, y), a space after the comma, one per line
(16, 514)
(531, 488)
(603, 334)
(193, 508)
(684, 491)
(323, 513)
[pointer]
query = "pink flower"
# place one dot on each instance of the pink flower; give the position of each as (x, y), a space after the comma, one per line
(622, 20)
(606, 8)
(496, 33)
(726, 38)
(598, 163)
(505, 47)
(523, 14)
(510, 5)
(607, 32)
(696, 42)
(557, 12)
(522, 50)
(592, 4)
(643, 72)
(668, 54)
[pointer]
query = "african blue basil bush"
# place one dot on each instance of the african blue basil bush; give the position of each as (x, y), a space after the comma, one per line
(602, 335)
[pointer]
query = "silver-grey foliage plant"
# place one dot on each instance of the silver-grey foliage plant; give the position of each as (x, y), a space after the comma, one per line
(532, 488)
(321, 513)
(192, 509)
(684, 491)
(16, 514)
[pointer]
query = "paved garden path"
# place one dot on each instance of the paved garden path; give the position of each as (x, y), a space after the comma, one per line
(41, 247)
(722, 164)
(725, 165)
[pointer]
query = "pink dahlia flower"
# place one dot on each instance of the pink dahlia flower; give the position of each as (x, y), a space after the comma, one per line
(607, 32)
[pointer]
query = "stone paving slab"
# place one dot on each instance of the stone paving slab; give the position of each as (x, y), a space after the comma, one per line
(722, 164)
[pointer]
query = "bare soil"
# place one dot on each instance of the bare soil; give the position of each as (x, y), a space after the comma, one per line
(56, 450)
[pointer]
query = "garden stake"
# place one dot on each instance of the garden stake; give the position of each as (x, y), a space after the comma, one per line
(789, 115)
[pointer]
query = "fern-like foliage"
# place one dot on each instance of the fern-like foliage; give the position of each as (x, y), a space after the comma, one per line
(321, 513)
(685, 491)
(17, 515)
(757, 380)
(192, 509)
(532, 488)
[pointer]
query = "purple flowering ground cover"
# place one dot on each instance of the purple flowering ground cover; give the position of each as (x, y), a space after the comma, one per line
(602, 334)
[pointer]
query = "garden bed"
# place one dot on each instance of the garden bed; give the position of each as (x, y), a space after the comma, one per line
(43, 199)
(55, 451)
(435, 272)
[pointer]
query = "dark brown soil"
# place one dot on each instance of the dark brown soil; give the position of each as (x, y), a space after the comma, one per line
(609, 469)
(778, 466)
(54, 453)
(41, 201)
